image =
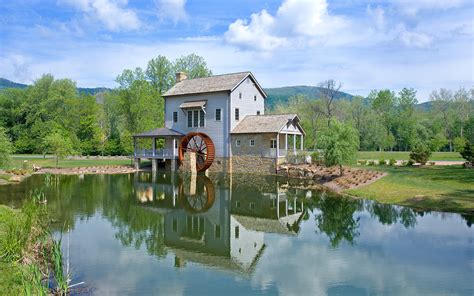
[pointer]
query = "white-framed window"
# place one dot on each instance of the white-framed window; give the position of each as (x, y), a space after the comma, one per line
(240, 95)
(175, 144)
(237, 143)
(258, 112)
(196, 118)
(175, 117)
(252, 142)
(218, 115)
(252, 205)
(255, 97)
(217, 231)
(237, 114)
(273, 143)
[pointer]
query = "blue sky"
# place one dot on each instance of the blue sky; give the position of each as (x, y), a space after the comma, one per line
(425, 44)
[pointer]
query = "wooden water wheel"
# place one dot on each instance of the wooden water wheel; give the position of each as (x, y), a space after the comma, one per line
(202, 200)
(202, 145)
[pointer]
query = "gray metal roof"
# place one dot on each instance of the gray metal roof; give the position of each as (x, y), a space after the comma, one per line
(159, 132)
(193, 104)
(257, 124)
(216, 83)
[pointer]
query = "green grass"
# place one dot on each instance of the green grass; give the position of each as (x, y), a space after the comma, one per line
(436, 156)
(16, 162)
(443, 188)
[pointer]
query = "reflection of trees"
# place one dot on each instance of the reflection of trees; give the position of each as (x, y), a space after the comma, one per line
(469, 219)
(336, 219)
(390, 214)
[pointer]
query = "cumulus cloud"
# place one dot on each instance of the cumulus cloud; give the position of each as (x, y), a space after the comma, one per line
(416, 39)
(296, 21)
(173, 10)
(112, 13)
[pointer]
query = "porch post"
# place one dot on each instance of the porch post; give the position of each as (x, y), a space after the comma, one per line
(301, 144)
(286, 142)
(294, 143)
(173, 158)
(153, 146)
(134, 146)
(278, 147)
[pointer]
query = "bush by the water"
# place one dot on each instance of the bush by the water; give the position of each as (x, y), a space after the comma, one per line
(420, 154)
(468, 153)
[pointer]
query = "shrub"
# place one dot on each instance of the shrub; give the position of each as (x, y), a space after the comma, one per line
(371, 162)
(316, 158)
(362, 162)
(420, 154)
(410, 163)
(392, 162)
(404, 163)
(382, 162)
(431, 163)
(468, 153)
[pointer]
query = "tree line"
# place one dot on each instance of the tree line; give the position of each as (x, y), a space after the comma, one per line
(388, 121)
(51, 116)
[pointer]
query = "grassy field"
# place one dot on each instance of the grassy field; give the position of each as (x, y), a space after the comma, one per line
(443, 188)
(16, 162)
(376, 155)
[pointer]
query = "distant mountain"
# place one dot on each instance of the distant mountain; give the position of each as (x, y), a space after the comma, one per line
(280, 95)
(5, 83)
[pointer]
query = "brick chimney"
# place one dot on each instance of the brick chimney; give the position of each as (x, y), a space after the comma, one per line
(180, 76)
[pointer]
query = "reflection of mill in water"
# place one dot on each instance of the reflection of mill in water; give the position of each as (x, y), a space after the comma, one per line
(219, 226)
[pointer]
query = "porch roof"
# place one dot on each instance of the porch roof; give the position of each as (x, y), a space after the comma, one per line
(257, 124)
(159, 132)
(193, 104)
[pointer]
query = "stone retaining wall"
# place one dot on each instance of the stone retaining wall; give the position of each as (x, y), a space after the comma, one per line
(253, 164)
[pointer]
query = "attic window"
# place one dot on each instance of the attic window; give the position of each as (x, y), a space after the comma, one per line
(255, 97)
(240, 95)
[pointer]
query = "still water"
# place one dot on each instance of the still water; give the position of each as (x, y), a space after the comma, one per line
(243, 235)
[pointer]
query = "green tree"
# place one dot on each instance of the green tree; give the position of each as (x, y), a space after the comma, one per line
(405, 119)
(58, 144)
(468, 153)
(5, 147)
(195, 66)
(438, 142)
(340, 143)
(159, 73)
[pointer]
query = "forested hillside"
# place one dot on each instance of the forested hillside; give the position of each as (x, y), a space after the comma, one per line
(55, 113)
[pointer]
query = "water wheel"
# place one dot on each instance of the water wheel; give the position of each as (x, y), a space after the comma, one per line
(202, 145)
(202, 200)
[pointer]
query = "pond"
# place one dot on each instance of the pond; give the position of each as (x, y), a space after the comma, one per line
(242, 235)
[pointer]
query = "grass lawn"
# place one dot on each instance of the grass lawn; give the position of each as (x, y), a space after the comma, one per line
(16, 162)
(443, 188)
(397, 155)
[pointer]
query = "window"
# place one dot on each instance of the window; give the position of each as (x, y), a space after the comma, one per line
(175, 225)
(175, 116)
(273, 143)
(252, 142)
(217, 231)
(202, 116)
(175, 144)
(258, 112)
(237, 143)
(195, 118)
(236, 231)
(255, 97)
(190, 118)
(237, 204)
(252, 206)
(237, 115)
(218, 114)
(240, 95)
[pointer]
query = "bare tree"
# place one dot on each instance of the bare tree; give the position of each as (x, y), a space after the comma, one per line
(329, 90)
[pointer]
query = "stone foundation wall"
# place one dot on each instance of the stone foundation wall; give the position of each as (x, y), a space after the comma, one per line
(253, 164)
(221, 165)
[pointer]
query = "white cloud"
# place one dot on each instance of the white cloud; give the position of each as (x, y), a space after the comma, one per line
(296, 22)
(112, 13)
(411, 7)
(378, 15)
(172, 9)
(416, 39)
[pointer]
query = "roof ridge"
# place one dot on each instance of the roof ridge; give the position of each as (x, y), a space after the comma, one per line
(226, 74)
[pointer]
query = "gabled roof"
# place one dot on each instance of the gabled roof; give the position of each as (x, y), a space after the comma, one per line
(157, 132)
(259, 124)
(216, 83)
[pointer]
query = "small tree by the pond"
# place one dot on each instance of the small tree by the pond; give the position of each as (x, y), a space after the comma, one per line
(468, 153)
(5, 147)
(340, 143)
(420, 154)
(58, 144)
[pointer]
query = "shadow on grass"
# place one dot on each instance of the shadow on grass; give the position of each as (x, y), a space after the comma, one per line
(459, 201)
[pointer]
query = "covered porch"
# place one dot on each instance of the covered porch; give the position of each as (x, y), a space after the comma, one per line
(157, 144)
(284, 144)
